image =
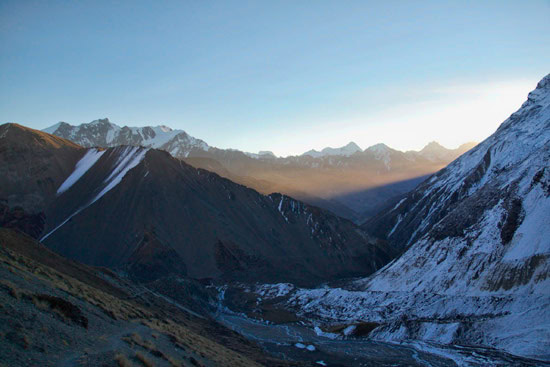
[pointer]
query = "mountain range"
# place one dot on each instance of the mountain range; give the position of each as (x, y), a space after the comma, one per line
(347, 181)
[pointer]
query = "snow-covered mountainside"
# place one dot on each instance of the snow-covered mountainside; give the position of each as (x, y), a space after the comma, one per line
(476, 268)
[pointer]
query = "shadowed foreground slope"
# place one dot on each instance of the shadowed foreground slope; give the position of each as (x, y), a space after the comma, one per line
(56, 312)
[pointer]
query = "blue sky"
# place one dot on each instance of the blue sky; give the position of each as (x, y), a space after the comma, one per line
(285, 76)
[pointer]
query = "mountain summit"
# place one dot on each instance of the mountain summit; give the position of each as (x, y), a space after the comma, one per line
(345, 151)
(105, 134)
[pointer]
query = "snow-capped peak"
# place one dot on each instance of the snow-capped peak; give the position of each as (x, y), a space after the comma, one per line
(381, 152)
(346, 150)
(165, 128)
(378, 148)
(433, 145)
(99, 122)
(265, 154)
(51, 129)
(105, 134)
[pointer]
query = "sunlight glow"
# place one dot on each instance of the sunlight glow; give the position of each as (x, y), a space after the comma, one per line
(451, 115)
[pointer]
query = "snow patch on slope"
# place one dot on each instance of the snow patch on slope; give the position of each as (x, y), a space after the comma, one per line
(131, 157)
(81, 168)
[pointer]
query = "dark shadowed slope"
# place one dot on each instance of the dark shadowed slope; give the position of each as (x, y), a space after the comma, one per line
(217, 227)
(62, 313)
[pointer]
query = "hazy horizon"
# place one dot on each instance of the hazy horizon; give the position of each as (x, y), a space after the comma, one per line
(229, 72)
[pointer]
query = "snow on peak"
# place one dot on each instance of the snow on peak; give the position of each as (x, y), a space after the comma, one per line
(346, 151)
(378, 148)
(51, 129)
(164, 128)
(381, 152)
(99, 122)
(103, 133)
(264, 154)
(433, 145)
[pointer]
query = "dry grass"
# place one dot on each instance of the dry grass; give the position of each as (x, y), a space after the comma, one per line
(11, 288)
(114, 307)
(146, 362)
(119, 308)
(136, 339)
(173, 362)
(122, 361)
(26, 342)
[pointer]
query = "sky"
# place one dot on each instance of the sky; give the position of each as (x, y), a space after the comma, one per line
(285, 76)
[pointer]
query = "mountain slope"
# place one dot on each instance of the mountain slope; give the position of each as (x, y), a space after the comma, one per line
(476, 268)
(67, 313)
(32, 166)
(217, 227)
(493, 202)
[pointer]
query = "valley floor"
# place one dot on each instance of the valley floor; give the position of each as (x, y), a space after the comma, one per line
(372, 328)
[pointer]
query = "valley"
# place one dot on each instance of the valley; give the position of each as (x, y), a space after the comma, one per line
(138, 256)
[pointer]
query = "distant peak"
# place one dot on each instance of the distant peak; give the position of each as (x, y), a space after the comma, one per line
(352, 145)
(261, 154)
(433, 145)
(346, 150)
(380, 147)
(165, 128)
(51, 129)
(100, 121)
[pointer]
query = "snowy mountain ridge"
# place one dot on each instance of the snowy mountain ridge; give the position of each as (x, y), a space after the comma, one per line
(103, 133)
